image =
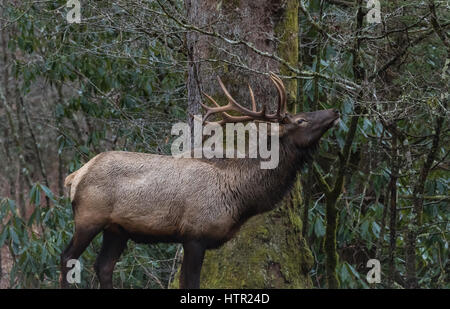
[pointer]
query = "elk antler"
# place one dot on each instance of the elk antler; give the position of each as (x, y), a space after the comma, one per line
(247, 114)
(282, 100)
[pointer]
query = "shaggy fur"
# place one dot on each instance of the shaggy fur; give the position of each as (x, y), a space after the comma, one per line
(198, 202)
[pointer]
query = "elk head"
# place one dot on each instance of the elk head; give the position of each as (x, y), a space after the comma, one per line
(304, 129)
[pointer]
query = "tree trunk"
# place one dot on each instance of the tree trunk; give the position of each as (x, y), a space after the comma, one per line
(393, 211)
(412, 232)
(269, 251)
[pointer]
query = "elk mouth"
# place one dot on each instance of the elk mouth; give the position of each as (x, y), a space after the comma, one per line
(335, 119)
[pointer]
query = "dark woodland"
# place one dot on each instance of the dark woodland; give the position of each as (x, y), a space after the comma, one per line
(376, 188)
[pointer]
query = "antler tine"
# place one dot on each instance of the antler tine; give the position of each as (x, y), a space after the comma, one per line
(236, 106)
(252, 97)
(280, 96)
(281, 111)
(283, 92)
(226, 117)
(211, 110)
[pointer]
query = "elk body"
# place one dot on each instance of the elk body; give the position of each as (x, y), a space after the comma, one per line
(197, 202)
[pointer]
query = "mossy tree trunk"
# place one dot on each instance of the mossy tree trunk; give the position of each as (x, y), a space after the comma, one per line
(269, 251)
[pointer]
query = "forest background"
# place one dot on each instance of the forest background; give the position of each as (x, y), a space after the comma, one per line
(118, 80)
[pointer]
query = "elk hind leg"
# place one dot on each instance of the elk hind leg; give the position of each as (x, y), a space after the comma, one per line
(81, 239)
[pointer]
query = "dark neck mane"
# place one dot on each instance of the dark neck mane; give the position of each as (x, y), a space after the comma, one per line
(255, 190)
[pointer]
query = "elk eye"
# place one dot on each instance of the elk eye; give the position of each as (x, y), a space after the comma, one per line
(300, 121)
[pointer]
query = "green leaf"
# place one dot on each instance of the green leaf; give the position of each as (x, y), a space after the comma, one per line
(35, 195)
(84, 149)
(376, 229)
(14, 236)
(3, 237)
(364, 228)
(319, 228)
(47, 216)
(345, 275)
(33, 216)
(47, 191)
(12, 206)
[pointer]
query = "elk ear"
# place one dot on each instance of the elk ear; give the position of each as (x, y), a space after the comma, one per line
(288, 119)
(287, 124)
(286, 128)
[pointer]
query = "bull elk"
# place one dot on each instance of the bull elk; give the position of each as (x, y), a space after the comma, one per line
(197, 202)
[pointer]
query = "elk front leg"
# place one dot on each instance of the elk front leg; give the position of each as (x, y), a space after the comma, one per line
(194, 252)
(114, 242)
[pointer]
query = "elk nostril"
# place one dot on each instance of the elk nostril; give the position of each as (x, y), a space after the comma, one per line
(336, 111)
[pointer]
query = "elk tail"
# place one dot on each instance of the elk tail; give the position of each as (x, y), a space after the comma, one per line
(69, 179)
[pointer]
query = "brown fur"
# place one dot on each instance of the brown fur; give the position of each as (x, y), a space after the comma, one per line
(153, 198)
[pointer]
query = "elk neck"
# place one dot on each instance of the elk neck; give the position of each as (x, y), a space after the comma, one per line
(251, 190)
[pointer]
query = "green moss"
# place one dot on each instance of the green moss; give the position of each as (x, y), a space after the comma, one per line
(330, 245)
(287, 31)
(295, 205)
(267, 253)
